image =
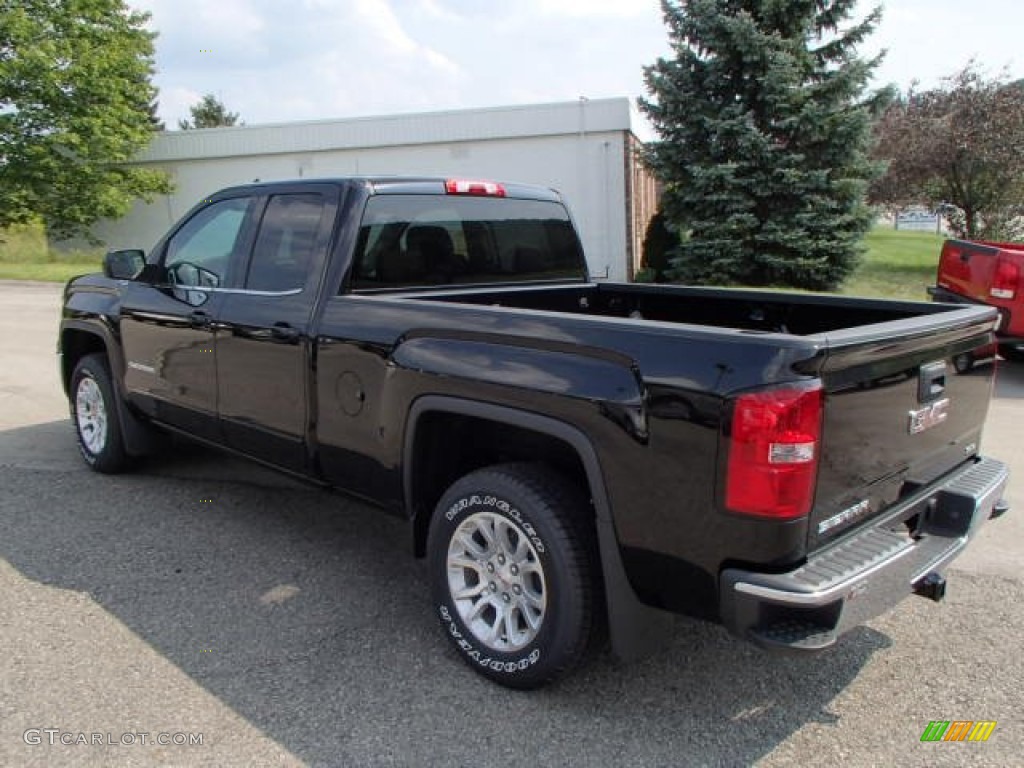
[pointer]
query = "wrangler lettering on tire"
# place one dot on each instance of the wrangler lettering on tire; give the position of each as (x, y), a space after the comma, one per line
(512, 568)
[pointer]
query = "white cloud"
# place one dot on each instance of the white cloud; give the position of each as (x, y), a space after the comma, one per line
(177, 101)
(378, 20)
(273, 61)
(592, 8)
(927, 41)
(434, 9)
(222, 29)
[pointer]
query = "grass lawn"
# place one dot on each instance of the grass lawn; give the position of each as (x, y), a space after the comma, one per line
(897, 265)
(25, 255)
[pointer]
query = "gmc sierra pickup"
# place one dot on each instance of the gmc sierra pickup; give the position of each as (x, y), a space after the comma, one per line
(570, 455)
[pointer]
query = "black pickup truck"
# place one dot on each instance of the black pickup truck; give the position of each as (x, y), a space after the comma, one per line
(570, 455)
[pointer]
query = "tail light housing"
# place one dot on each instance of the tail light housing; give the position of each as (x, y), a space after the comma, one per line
(1005, 279)
(774, 445)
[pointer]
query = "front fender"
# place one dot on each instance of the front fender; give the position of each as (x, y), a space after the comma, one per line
(92, 305)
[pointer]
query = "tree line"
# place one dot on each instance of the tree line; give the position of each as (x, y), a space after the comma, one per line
(773, 154)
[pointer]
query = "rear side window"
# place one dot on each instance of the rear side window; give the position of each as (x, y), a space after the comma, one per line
(410, 240)
(284, 250)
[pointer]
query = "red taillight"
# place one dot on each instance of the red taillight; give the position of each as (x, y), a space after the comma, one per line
(1005, 279)
(773, 452)
(467, 187)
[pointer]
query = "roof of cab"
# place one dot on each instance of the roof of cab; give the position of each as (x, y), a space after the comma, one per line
(403, 185)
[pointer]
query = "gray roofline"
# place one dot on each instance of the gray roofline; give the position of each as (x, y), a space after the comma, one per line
(518, 121)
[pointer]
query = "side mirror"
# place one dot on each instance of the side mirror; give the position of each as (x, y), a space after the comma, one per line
(124, 265)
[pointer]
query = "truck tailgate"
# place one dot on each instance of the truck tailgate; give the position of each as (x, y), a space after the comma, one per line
(897, 417)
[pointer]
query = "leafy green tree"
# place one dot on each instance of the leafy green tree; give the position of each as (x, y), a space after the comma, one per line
(74, 107)
(765, 131)
(209, 113)
(962, 145)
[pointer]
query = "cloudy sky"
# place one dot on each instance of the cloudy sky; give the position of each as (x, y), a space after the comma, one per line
(284, 60)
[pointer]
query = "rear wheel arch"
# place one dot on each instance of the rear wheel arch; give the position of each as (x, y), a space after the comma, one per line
(426, 477)
(636, 630)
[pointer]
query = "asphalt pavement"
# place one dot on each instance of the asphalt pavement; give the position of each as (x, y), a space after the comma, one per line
(204, 599)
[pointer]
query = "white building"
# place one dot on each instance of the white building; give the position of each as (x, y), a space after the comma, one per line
(587, 150)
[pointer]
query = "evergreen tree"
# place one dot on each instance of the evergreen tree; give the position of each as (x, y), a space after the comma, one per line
(764, 139)
(659, 245)
(155, 122)
(209, 113)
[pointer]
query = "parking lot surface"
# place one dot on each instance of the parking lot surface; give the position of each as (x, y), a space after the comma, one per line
(283, 625)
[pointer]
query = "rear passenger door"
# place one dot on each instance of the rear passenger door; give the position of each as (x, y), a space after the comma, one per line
(263, 344)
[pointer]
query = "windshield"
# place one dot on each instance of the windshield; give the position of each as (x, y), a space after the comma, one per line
(409, 240)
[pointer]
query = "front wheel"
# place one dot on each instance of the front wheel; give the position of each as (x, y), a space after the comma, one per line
(513, 572)
(94, 414)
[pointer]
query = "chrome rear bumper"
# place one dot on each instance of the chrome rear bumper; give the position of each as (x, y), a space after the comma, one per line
(865, 574)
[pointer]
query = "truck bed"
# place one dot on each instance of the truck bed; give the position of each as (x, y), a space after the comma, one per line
(872, 357)
(794, 314)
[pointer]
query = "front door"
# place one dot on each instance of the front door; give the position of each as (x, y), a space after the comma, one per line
(167, 320)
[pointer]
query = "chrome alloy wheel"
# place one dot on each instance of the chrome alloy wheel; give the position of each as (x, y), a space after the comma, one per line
(91, 414)
(496, 581)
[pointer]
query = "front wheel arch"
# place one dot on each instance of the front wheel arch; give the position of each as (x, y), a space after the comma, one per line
(79, 340)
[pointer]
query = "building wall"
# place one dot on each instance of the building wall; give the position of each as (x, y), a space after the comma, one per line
(641, 202)
(591, 169)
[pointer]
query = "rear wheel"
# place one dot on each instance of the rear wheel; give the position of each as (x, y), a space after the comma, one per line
(94, 414)
(513, 571)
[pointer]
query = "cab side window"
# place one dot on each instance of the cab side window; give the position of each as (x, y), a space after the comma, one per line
(198, 255)
(285, 246)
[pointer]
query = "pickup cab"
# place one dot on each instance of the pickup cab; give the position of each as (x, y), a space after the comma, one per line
(571, 456)
(977, 272)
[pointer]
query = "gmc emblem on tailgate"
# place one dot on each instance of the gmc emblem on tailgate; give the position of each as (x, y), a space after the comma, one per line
(929, 416)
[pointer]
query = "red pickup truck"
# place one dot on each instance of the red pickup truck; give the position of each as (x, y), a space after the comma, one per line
(985, 273)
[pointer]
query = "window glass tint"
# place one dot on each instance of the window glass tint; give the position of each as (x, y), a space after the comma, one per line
(432, 240)
(283, 255)
(199, 253)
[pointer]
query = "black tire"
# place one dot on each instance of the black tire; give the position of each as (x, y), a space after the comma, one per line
(963, 363)
(95, 417)
(538, 512)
